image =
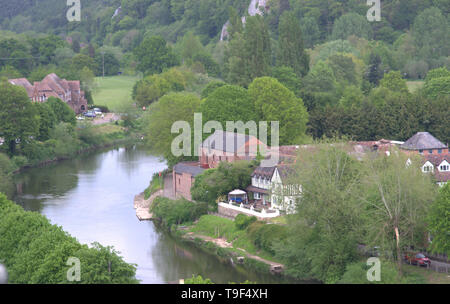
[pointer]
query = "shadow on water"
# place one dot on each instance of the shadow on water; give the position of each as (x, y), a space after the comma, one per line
(91, 197)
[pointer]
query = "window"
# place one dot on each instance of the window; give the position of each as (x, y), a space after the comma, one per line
(444, 168)
(421, 151)
(430, 151)
(427, 169)
(257, 195)
(439, 151)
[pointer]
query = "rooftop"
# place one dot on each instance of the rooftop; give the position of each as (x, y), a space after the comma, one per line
(423, 141)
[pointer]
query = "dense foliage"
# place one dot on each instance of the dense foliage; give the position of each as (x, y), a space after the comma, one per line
(177, 212)
(34, 251)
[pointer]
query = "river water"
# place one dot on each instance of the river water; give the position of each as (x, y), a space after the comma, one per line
(91, 197)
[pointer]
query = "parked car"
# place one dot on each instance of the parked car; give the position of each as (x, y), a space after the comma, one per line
(98, 111)
(80, 118)
(417, 259)
(90, 114)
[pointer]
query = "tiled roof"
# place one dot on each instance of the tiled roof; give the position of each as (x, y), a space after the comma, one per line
(423, 141)
(442, 177)
(192, 168)
(436, 160)
(266, 172)
(226, 141)
(23, 82)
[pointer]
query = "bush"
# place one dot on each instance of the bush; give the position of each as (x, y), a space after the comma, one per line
(263, 235)
(20, 161)
(243, 221)
(177, 212)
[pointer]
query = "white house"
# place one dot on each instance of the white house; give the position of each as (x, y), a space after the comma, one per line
(271, 187)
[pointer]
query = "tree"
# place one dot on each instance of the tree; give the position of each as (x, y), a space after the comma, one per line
(154, 55)
(394, 82)
(438, 223)
(323, 233)
(211, 87)
(274, 102)
(18, 118)
(288, 78)
(162, 115)
(397, 199)
(310, 30)
(321, 78)
(228, 103)
(351, 24)
(431, 33)
(47, 120)
(438, 87)
(374, 73)
(249, 54)
(197, 280)
(63, 112)
(81, 61)
(291, 49)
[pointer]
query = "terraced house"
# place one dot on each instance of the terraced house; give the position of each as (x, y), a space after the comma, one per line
(52, 86)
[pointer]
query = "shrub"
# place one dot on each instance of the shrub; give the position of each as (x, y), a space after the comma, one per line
(243, 221)
(263, 235)
(177, 212)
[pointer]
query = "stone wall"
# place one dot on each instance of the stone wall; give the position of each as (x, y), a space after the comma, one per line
(232, 211)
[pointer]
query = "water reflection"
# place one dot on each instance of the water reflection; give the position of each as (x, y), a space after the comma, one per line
(91, 197)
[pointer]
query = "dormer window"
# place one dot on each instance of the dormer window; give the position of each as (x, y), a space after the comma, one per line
(444, 168)
(427, 169)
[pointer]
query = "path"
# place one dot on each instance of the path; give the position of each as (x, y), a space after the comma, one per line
(221, 242)
(108, 117)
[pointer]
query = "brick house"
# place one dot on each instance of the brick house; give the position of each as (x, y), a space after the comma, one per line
(436, 157)
(52, 86)
(183, 176)
(224, 146)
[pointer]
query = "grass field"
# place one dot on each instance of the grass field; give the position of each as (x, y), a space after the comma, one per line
(414, 85)
(113, 91)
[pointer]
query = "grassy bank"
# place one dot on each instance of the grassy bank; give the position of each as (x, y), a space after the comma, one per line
(113, 91)
(241, 239)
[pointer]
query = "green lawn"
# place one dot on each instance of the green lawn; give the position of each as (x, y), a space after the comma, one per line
(113, 91)
(414, 85)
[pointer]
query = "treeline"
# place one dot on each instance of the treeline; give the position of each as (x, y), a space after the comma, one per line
(36, 252)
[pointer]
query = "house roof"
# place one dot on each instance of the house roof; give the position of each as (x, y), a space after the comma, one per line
(423, 141)
(23, 82)
(226, 141)
(442, 177)
(192, 168)
(266, 172)
(436, 160)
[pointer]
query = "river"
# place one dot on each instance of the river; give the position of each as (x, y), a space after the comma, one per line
(91, 197)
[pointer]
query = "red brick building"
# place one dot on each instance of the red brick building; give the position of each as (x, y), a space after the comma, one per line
(52, 86)
(184, 177)
(229, 147)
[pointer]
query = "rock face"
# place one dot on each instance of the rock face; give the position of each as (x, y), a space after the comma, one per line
(255, 7)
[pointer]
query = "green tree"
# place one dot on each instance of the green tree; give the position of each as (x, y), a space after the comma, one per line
(323, 234)
(18, 118)
(162, 115)
(274, 102)
(63, 112)
(291, 49)
(397, 199)
(154, 55)
(47, 120)
(249, 53)
(394, 82)
(228, 103)
(351, 24)
(431, 32)
(438, 223)
(288, 78)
